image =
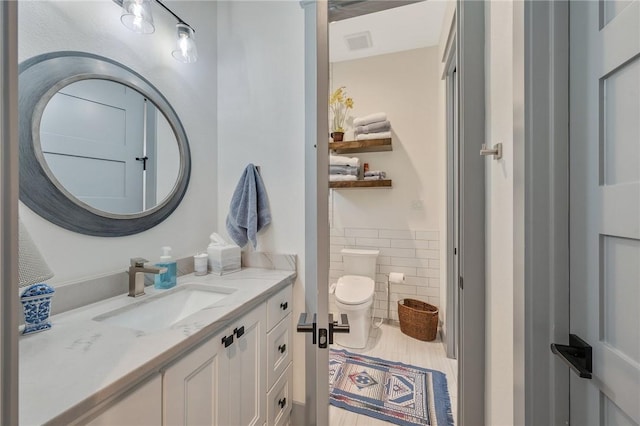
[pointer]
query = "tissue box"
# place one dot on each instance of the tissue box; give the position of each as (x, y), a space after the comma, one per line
(224, 259)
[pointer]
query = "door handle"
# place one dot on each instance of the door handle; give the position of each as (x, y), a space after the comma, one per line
(578, 355)
(305, 327)
(334, 327)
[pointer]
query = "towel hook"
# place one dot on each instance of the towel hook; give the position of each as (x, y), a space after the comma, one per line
(496, 151)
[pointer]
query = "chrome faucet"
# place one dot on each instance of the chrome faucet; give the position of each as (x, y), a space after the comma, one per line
(138, 268)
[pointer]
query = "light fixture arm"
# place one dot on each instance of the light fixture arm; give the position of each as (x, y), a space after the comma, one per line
(179, 19)
(165, 7)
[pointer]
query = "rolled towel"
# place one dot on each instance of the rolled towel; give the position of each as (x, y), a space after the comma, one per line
(381, 126)
(338, 178)
(343, 170)
(337, 160)
(369, 136)
(368, 119)
(372, 173)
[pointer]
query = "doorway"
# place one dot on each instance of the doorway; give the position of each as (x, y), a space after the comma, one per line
(415, 88)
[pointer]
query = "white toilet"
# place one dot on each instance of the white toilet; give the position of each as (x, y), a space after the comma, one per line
(354, 295)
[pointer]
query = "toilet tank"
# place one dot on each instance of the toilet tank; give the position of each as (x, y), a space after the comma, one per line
(360, 262)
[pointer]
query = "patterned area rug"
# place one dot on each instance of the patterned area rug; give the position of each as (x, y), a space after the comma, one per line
(391, 391)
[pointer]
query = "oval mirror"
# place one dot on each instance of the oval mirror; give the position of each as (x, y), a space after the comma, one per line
(102, 152)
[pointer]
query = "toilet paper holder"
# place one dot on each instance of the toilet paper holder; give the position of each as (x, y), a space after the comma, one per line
(396, 278)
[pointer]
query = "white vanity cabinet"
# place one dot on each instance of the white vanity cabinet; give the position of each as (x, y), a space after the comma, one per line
(140, 407)
(279, 346)
(223, 381)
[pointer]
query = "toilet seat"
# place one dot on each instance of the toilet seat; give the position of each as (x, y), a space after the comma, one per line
(354, 289)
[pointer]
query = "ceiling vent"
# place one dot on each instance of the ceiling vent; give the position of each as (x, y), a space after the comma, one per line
(359, 41)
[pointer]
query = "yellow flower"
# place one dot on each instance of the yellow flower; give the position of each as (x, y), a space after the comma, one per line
(339, 104)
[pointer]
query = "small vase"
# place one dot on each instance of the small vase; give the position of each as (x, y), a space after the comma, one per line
(337, 136)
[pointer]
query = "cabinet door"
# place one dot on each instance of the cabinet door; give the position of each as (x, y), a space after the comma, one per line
(247, 373)
(140, 407)
(194, 388)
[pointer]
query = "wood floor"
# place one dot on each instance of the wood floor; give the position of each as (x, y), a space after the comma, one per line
(389, 343)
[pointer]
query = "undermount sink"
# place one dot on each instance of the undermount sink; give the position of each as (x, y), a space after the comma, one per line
(164, 310)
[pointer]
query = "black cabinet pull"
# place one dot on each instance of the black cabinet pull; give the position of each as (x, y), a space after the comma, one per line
(282, 348)
(282, 402)
(238, 331)
(227, 341)
(284, 306)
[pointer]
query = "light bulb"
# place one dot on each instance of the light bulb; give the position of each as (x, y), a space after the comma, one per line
(136, 15)
(186, 50)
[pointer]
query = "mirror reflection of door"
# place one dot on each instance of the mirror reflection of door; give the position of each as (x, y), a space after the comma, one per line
(103, 142)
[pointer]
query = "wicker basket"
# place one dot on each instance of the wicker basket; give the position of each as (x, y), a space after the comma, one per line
(418, 319)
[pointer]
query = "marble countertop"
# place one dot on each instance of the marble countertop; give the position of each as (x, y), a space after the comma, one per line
(80, 362)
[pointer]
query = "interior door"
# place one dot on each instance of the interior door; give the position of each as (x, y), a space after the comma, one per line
(91, 133)
(605, 208)
(316, 214)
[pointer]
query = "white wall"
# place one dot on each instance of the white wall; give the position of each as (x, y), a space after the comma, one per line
(94, 26)
(407, 86)
(261, 121)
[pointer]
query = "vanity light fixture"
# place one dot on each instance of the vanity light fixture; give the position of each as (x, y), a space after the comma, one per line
(136, 15)
(186, 50)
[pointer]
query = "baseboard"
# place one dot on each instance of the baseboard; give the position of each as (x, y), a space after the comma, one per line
(297, 414)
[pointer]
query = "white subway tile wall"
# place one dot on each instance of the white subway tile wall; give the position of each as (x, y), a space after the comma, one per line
(413, 252)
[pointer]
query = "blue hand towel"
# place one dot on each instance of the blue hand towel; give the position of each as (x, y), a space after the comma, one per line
(249, 209)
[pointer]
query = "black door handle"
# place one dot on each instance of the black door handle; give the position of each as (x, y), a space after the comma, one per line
(305, 327)
(334, 327)
(578, 355)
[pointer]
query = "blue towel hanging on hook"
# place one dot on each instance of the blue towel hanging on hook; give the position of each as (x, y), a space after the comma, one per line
(249, 210)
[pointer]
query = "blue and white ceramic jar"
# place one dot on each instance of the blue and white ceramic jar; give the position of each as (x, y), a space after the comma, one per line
(36, 301)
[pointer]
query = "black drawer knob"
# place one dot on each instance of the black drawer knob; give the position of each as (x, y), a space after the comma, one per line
(282, 402)
(227, 341)
(282, 348)
(238, 331)
(284, 306)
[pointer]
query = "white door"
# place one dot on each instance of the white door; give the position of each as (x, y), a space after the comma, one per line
(91, 133)
(605, 208)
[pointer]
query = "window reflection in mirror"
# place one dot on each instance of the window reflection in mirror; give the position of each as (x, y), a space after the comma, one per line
(109, 147)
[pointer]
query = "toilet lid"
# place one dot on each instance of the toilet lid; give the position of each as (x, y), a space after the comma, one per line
(354, 289)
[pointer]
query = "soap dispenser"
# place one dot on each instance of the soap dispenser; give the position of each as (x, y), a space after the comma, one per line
(167, 279)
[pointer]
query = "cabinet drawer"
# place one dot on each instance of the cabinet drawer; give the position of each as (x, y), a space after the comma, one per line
(279, 348)
(279, 400)
(278, 306)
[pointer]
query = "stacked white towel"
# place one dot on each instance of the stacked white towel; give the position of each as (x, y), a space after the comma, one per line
(337, 160)
(343, 168)
(339, 178)
(374, 175)
(372, 126)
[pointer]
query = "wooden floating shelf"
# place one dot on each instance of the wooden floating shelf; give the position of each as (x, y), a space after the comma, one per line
(383, 183)
(370, 145)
